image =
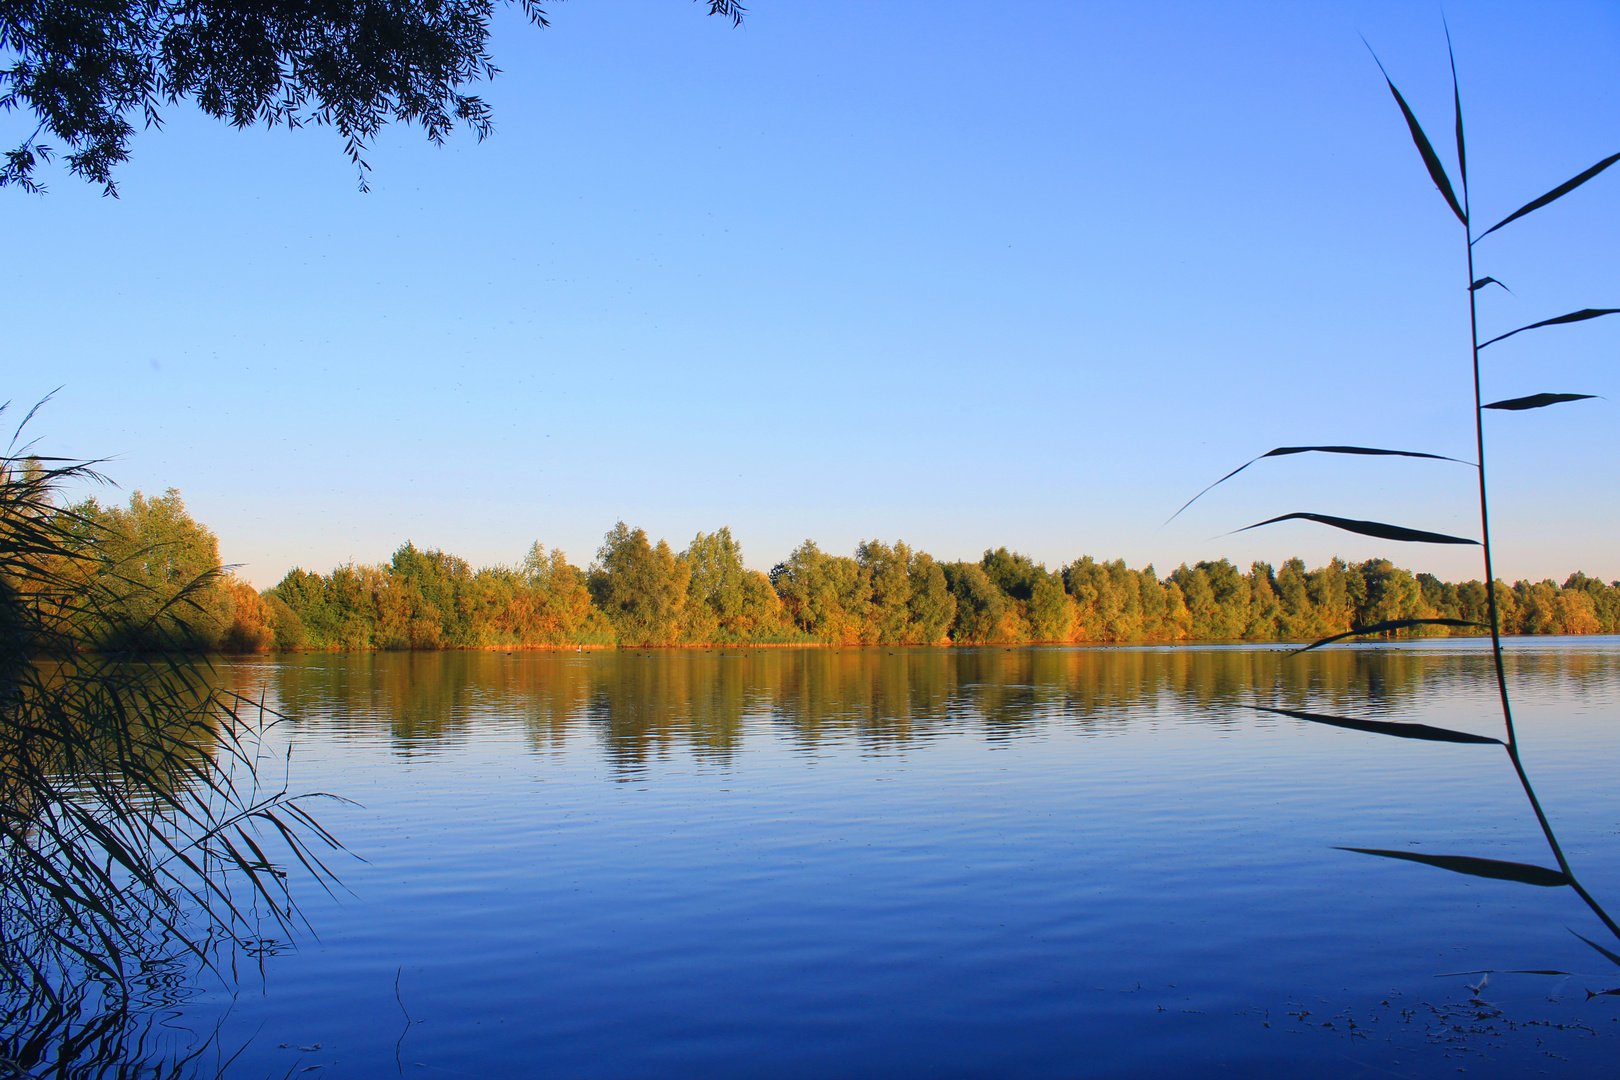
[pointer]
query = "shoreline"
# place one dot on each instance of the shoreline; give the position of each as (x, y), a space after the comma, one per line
(941, 646)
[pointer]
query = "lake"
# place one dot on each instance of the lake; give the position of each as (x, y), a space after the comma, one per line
(992, 862)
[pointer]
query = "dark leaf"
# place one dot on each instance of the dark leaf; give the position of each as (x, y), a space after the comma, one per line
(1384, 727)
(1467, 864)
(1436, 171)
(1284, 451)
(1484, 281)
(1503, 971)
(1574, 316)
(1456, 97)
(728, 9)
(1385, 627)
(1557, 192)
(1535, 401)
(1613, 958)
(1366, 528)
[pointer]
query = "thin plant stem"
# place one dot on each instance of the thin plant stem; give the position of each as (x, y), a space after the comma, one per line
(1512, 744)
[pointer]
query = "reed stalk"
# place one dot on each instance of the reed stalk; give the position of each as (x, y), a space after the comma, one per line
(1461, 208)
(139, 837)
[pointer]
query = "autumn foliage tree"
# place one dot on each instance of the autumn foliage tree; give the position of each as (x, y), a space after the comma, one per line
(641, 592)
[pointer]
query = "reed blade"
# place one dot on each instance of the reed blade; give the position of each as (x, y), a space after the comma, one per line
(1486, 868)
(1431, 160)
(1535, 401)
(1504, 971)
(1574, 316)
(1384, 727)
(1379, 529)
(1484, 281)
(1613, 958)
(1556, 193)
(1385, 627)
(1284, 451)
(1456, 97)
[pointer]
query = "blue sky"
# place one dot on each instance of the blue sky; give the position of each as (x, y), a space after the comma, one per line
(960, 274)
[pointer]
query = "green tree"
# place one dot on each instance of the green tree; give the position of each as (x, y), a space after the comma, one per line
(1048, 611)
(1389, 593)
(305, 596)
(981, 608)
(423, 604)
(826, 596)
(1126, 584)
(932, 608)
(1013, 574)
(352, 591)
(641, 588)
(1156, 621)
(886, 572)
(1265, 608)
(1041, 609)
(762, 617)
(176, 597)
(1296, 618)
(1107, 600)
(1330, 591)
(717, 586)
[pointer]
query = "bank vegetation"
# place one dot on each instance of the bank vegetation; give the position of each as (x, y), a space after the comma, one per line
(640, 593)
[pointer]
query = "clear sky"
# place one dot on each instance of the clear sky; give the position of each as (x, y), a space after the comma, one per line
(960, 274)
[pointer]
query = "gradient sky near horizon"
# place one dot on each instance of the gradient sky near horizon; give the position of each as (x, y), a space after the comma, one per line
(960, 274)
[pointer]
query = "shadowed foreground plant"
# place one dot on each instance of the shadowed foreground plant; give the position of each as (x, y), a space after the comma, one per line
(133, 824)
(1462, 209)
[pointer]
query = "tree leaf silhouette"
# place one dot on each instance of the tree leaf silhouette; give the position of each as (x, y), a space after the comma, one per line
(1557, 192)
(1574, 316)
(1284, 451)
(1535, 401)
(1384, 627)
(1437, 172)
(1379, 529)
(1385, 727)
(1488, 868)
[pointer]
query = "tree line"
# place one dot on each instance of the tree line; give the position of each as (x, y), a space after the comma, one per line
(640, 593)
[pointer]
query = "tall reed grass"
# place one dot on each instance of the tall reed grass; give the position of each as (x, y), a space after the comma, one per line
(1458, 202)
(137, 835)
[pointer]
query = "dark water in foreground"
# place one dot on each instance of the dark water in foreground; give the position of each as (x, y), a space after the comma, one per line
(890, 862)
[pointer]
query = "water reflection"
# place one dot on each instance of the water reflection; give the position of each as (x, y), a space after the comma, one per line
(1111, 852)
(644, 704)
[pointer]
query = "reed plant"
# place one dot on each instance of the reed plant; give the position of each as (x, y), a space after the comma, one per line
(1458, 202)
(138, 837)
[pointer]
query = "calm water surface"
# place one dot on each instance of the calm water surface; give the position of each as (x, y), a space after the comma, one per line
(971, 862)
